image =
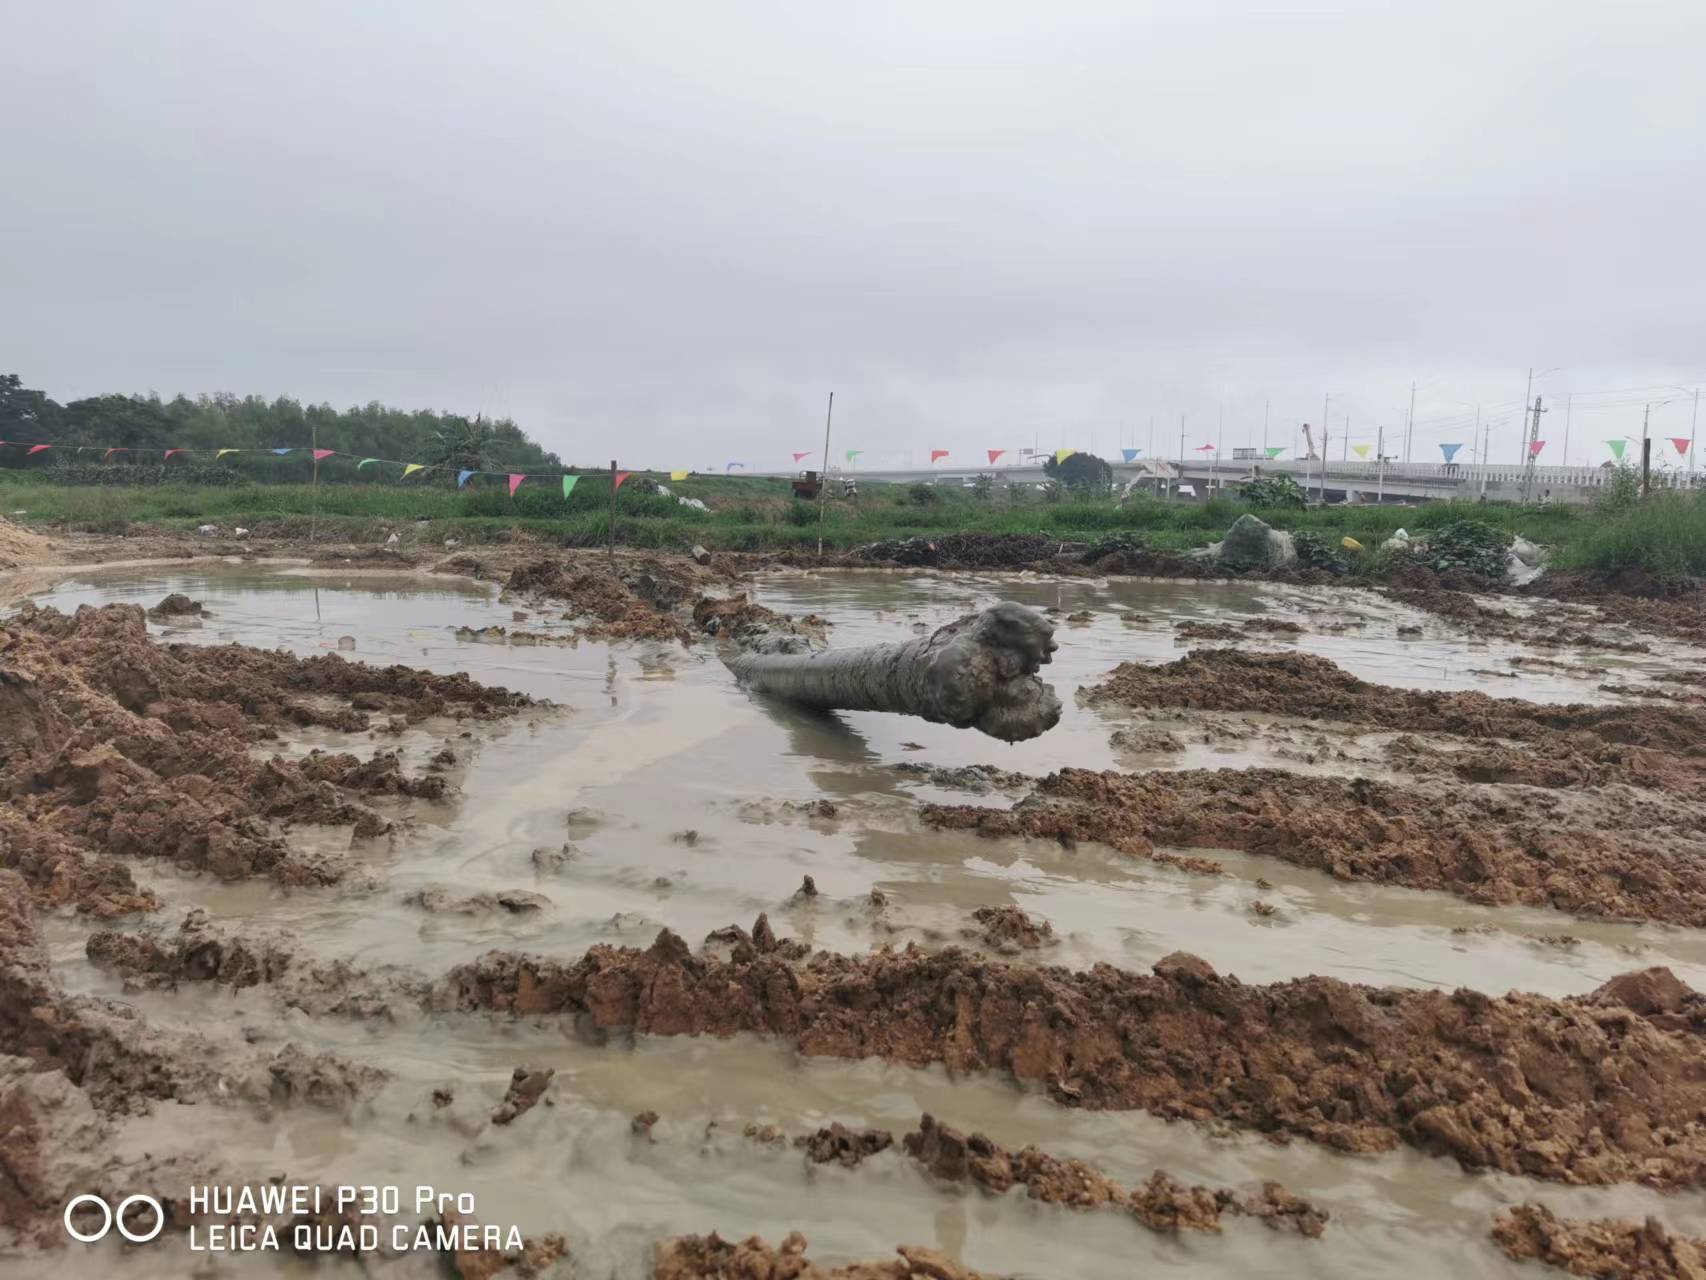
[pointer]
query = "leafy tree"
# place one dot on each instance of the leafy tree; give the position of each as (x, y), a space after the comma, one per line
(983, 488)
(1083, 473)
(25, 414)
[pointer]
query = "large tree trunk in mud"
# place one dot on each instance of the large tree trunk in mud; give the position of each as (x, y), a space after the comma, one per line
(976, 673)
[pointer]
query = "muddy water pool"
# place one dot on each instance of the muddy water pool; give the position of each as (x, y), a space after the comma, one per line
(676, 799)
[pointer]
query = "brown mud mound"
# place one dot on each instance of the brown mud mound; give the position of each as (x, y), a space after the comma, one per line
(1490, 847)
(964, 551)
(112, 743)
(20, 548)
(713, 1258)
(837, 1144)
(652, 598)
(1008, 930)
(1581, 1090)
(1637, 599)
(1552, 760)
(1162, 1203)
(177, 605)
(1302, 685)
(202, 952)
(1644, 1251)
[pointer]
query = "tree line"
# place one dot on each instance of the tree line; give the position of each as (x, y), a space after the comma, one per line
(147, 426)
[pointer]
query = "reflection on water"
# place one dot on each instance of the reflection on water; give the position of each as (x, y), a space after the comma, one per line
(674, 798)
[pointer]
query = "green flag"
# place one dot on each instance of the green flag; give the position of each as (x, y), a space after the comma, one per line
(1616, 447)
(1274, 450)
(853, 453)
(569, 485)
(364, 462)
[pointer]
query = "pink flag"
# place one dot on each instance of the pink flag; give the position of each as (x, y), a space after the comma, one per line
(1534, 448)
(1681, 445)
(996, 453)
(806, 454)
(621, 476)
(169, 454)
(323, 453)
(37, 448)
(937, 454)
(1205, 448)
(109, 453)
(515, 480)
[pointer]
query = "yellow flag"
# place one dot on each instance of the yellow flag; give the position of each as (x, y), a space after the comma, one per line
(222, 453)
(1061, 455)
(413, 467)
(1361, 450)
(678, 475)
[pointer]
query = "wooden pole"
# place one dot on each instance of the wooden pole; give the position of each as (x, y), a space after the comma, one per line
(611, 548)
(823, 477)
(314, 452)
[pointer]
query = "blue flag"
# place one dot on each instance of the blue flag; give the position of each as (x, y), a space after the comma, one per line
(1130, 454)
(1450, 450)
(462, 478)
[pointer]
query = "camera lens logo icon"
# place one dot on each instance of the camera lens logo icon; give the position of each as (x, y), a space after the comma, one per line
(114, 1218)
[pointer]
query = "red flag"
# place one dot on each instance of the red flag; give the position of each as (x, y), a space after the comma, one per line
(995, 453)
(806, 454)
(515, 482)
(170, 452)
(1681, 445)
(323, 453)
(938, 454)
(1534, 448)
(1205, 448)
(109, 453)
(621, 476)
(37, 448)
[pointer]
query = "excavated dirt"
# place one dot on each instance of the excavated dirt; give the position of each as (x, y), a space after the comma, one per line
(1009, 931)
(1645, 1251)
(713, 1258)
(661, 599)
(19, 547)
(1602, 1088)
(1302, 685)
(1525, 846)
(1161, 1203)
(837, 1144)
(114, 744)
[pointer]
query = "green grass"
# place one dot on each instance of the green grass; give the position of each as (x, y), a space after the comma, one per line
(1666, 536)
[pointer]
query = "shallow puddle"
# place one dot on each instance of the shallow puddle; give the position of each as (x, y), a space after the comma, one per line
(661, 794)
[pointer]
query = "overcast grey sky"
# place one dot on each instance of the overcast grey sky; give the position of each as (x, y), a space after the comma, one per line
(664, 232)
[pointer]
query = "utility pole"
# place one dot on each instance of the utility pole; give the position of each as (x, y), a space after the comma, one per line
(610, 547)
(1646, 453)
(1345, 445)
(1266, 404)
(1484, 434)
(1533, 439)
(1321, 493)
(1410, 422)
(1567, 400)
(1380, 466)
(823, 480)
(1219, 439)
(1693, 421)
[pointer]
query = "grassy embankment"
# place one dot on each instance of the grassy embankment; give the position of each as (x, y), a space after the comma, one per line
(1665, 536)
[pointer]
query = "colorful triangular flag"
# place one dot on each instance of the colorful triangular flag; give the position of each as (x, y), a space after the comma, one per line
(806, 454)
(937, 455)
(323, 453)
(732, 465)
(365, 461)
(462, 476)
(1061, 455)
(1274, 450)
(222, 453)
(169, 454)
(569, 485)
(284, 451)
(853, 453)
(1682, 444)
(515, 480)
(1130, 455)
(1450, 450)
(678, 475)
(1205, 448)
(117, 449)
(1534, 448)
(995, 453)
(621, 476)
(37, 448)
(1361, 450)
(412, 468)
(1617, 447)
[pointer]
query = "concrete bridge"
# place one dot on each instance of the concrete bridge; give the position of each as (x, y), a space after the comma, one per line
(1345, 481)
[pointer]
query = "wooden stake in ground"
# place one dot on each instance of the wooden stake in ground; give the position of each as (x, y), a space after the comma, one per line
(823, 479)
(314, 452)
(612, 546)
